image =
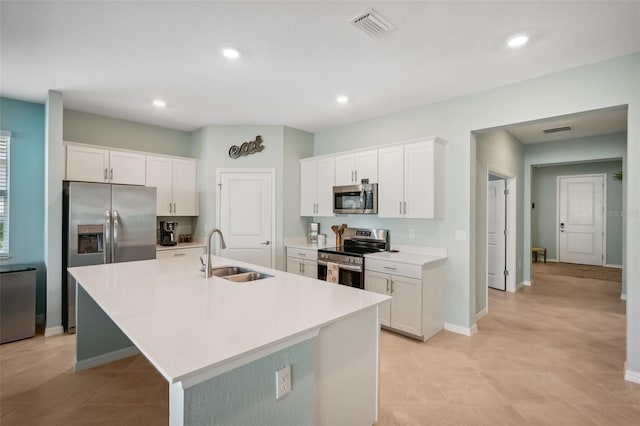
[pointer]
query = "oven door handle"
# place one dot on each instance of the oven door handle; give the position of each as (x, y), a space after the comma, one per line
(353, 268)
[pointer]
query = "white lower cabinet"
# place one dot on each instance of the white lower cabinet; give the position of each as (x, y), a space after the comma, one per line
(178, 252)
(417, 292)
(302, 262)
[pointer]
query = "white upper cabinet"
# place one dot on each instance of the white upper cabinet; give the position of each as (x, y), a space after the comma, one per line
(352, 168)
(317, 177)
(87, 164)
(411, 180)
(126, 168)
(91, 164)
(175, 180)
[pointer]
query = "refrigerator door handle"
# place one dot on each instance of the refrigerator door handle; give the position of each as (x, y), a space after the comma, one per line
(107, 239)
(114, 246)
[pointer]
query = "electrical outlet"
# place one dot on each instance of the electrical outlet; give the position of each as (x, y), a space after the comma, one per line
(412, 233)
(283, 382)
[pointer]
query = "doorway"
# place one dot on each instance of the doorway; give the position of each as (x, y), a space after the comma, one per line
(245, 200)
(581, 219)
(501, 231)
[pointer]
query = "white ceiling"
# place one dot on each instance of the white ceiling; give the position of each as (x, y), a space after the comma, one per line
(114, 58)
(583, 124)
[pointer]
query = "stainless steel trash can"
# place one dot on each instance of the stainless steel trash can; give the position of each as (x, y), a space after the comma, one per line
(17, 302)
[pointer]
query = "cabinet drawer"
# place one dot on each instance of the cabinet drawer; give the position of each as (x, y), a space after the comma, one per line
(386, 267)
(308, 254)
(167, 254)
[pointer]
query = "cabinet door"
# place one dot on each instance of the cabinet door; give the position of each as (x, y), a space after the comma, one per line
(380, 283)
(185, 187)
(308, 187)
(366, 166)
(345, 169)
(294, 265)
(127, 168)
(418, 180)
(160, 176)
(87, 164)
(325, 179)
(406, 306)
(310, 268)
(390, 179)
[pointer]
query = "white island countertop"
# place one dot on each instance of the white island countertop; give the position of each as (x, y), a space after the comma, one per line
(187, 325)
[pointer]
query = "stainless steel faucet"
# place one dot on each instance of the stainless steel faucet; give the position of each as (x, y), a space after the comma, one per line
(207, 266)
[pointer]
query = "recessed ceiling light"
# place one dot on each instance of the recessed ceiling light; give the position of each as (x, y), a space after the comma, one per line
(230, 53)
(342, 99)
(159, 103)
(518, 41)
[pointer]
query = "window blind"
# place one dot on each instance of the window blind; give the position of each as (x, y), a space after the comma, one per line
(4, 196)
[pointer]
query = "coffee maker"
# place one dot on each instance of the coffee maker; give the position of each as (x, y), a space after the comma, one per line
(168, 233)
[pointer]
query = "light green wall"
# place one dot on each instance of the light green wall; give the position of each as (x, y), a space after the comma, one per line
(83, 127)
(544, 195)
(601, 85)
(247, 395)
(500, 152)
(297, 145)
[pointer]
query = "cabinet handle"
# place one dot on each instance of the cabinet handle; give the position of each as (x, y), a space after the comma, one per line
(387, 280)
(400, 207)
(391, 286)
(179, 254)
(405, 207)
(170, 208)
(302, 254)
(111, 175)
(302, 264)
(355, 172)
(174, 208)
(353, 179)
(105, 173)
(390, 268)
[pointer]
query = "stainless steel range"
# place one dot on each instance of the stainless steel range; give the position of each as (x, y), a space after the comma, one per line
(356, 242)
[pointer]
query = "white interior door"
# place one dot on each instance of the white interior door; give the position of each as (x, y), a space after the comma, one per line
(580, 219)
(496, 234)
(246, 215)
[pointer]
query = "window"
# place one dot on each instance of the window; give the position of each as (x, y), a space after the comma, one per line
(4, 194)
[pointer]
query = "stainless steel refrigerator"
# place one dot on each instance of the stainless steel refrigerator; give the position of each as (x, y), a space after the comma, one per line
(103, 223)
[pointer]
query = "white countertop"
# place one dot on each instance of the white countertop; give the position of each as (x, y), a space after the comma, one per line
(180, 246)
(407, 257)
(302, 243)
(187, 325)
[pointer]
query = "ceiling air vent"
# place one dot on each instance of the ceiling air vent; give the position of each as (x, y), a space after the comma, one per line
(557, 129)
(372, 23)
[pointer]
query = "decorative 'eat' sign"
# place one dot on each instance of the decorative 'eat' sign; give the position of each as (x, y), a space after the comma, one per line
(246, 148)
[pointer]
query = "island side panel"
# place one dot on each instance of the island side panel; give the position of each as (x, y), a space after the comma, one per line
(247, 394)
(347, 370)
(98, 339)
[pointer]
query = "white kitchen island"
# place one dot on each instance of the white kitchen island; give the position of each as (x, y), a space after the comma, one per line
(220, 343)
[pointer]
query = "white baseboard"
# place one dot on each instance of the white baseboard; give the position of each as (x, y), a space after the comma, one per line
(632, 376)
(606, 265)
(623, 296)
(481, 314)
(96, 361)
(527, 283)
(40, 319)
(520, 285)
(53, 331)
(465, 331)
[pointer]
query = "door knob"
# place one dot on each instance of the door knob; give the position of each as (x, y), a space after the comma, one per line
(266, 243)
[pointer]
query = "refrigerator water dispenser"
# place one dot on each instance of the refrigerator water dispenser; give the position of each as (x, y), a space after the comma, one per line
(90, 239)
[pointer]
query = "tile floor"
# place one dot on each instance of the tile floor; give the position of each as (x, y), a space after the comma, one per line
(550, 354)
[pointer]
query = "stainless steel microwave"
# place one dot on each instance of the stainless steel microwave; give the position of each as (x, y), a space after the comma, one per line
(356, 199)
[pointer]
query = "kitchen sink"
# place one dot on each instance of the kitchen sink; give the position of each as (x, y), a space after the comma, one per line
(247, 276)
(238, 274)
(224, 271)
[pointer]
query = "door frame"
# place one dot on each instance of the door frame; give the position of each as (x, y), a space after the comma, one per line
(512, 231)
(272, 173)
(604, 209)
